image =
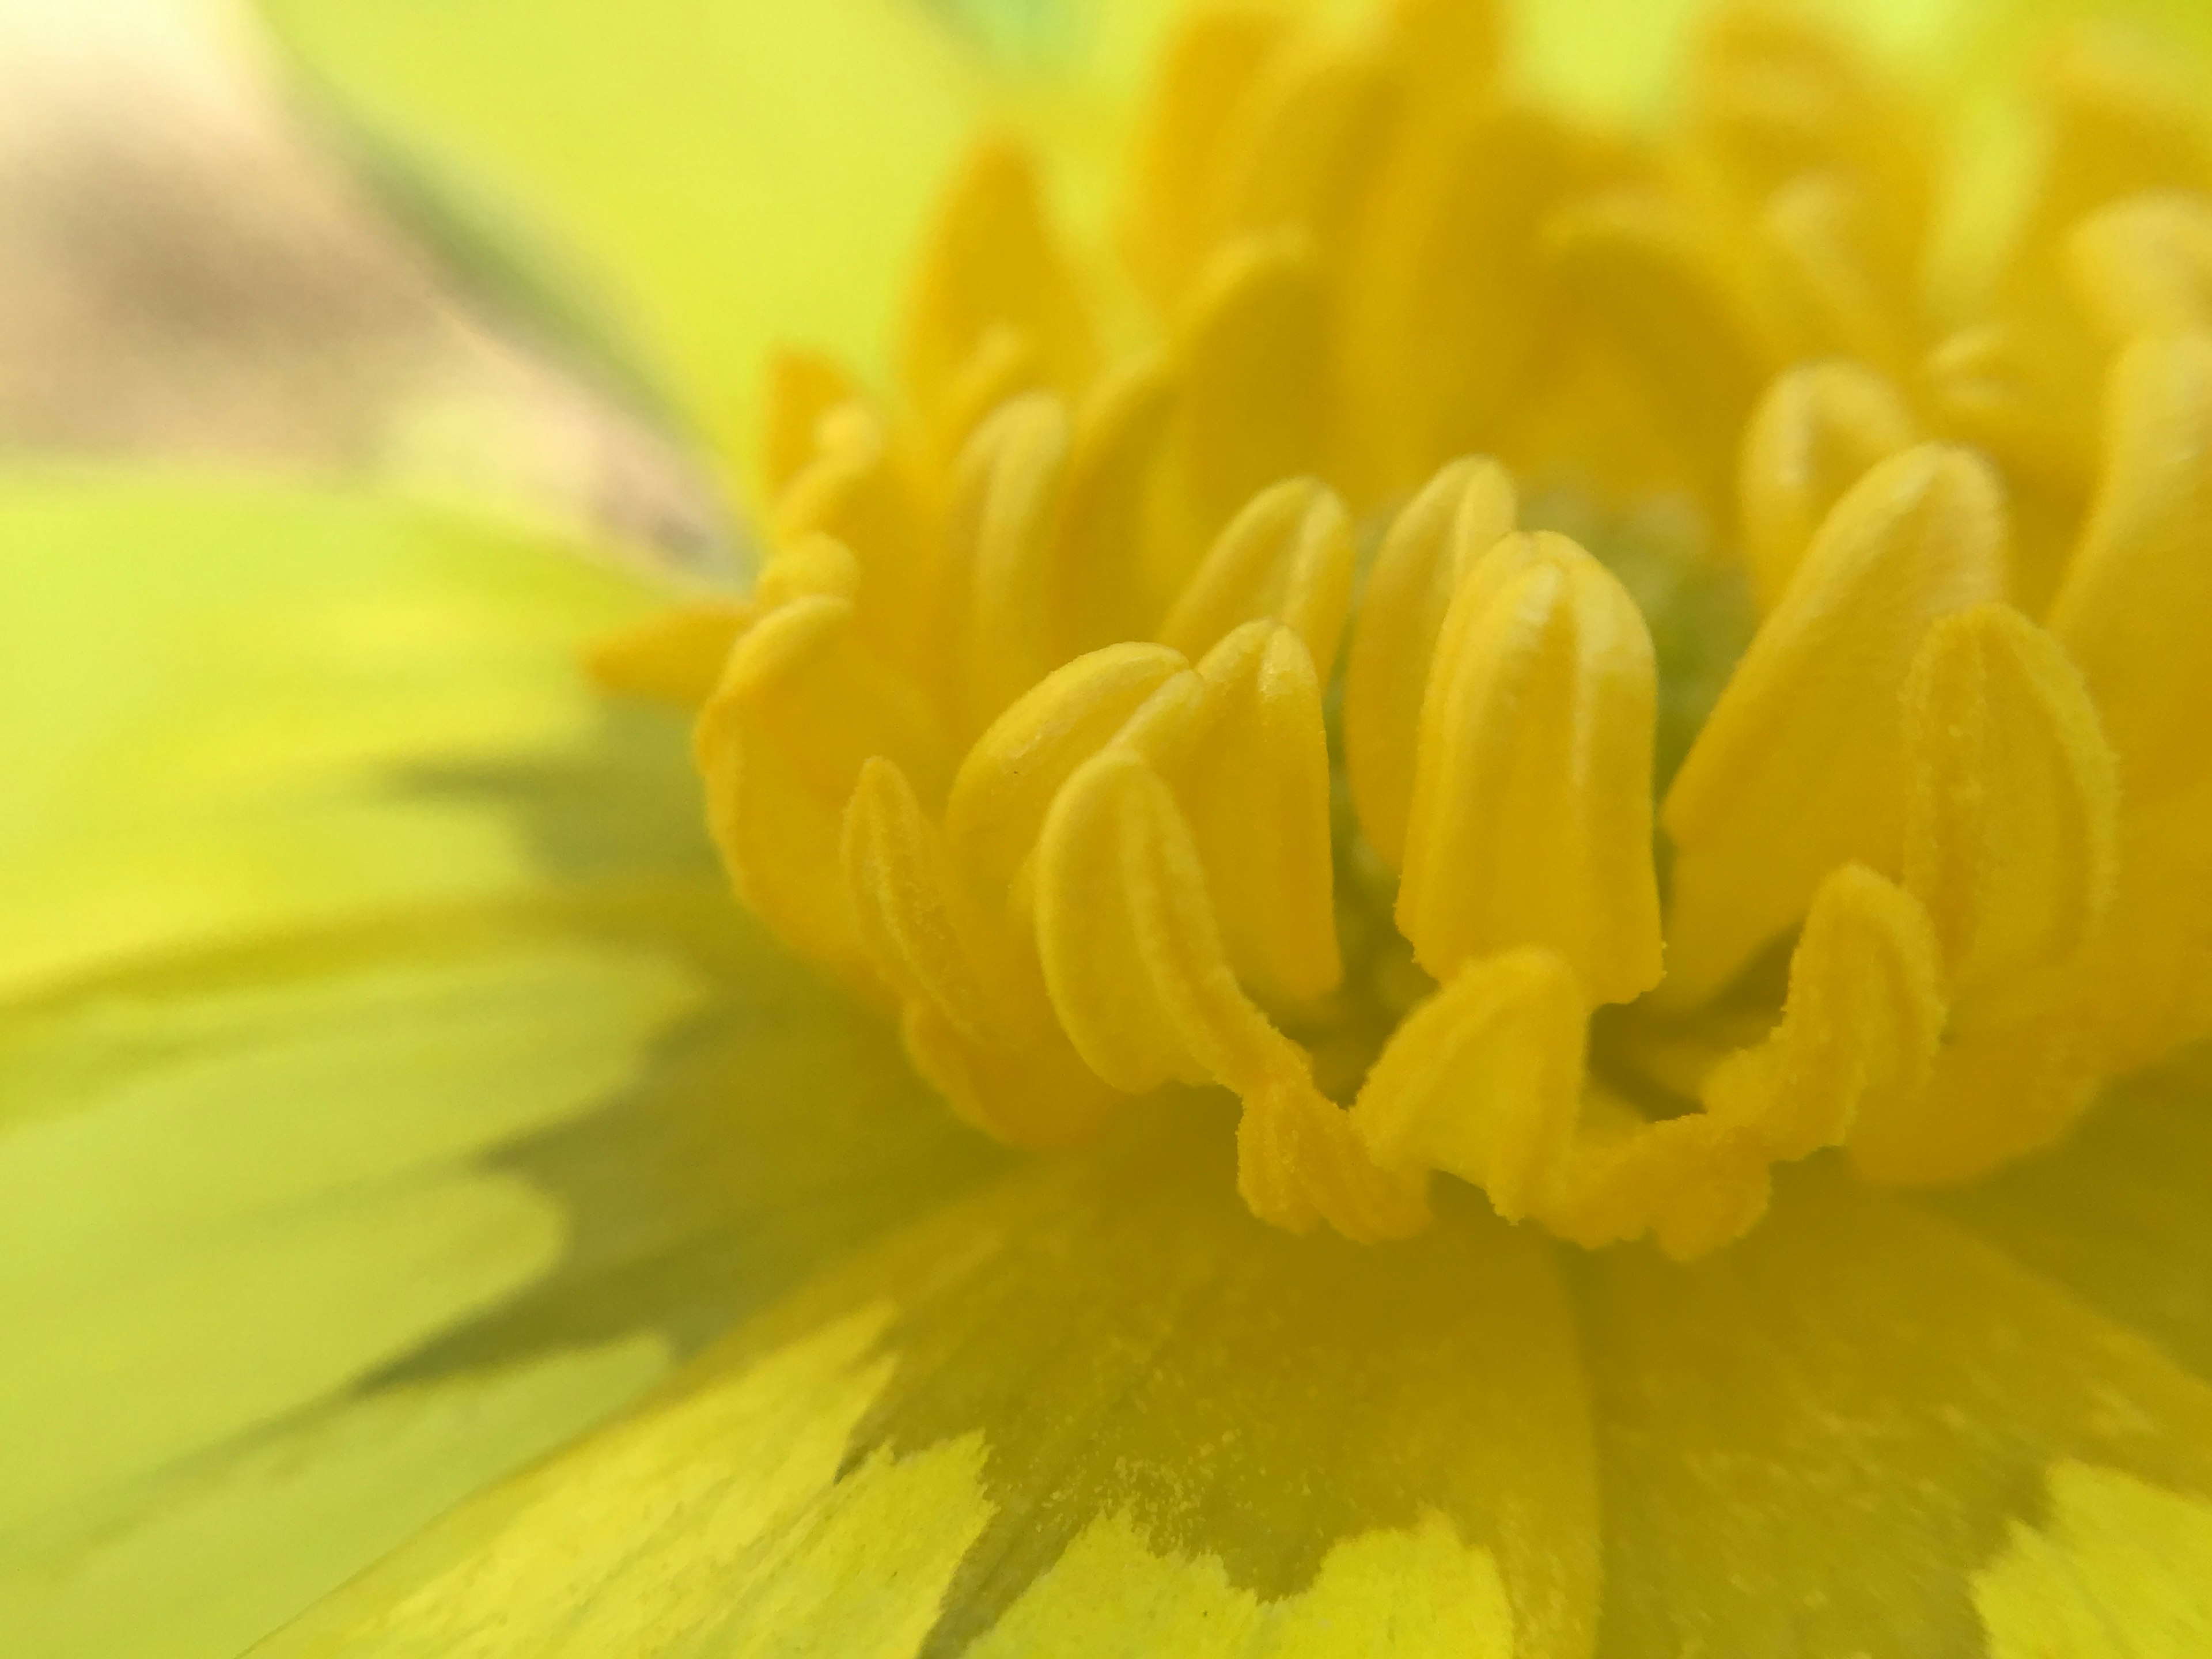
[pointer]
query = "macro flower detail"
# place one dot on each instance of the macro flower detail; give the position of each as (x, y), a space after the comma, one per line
(1409, 859)
(1082, 712)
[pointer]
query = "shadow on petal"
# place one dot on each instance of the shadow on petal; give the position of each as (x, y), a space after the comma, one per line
(1095, 1409)
(2116, 1214)
(1814, 1442)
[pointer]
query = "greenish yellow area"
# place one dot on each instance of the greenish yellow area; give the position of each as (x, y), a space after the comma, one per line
(236, 703)
(726, 175)
(718, 1509)
(1096, 1407)
(202, 1563)
(233, 1191)
(1815, 1438)
(2122, 1569)
(1421, 1591)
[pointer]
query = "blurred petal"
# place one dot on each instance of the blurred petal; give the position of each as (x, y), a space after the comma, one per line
(1099, 1410)
(1817, 1440)
(732, 176)
(197, 1565)
(280, 1225)
(233, 708)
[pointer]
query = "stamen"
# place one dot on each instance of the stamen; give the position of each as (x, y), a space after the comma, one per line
(1935, 870)
(995, 581)
(1799, 766)
(1531, 815)
(991, 262)
(1465, 510)
(802, 704)
(1860, 1029)
(2012, 810)
(1301, 143)
(1255, 374)
(1637, 276)
(2132, 611)
(1209, 65)
(856, 490)
(2143, 265)
(1288, 556)
(1240, 744)
(1820, 429)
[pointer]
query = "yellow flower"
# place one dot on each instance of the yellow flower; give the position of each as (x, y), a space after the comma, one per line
(1298, 658)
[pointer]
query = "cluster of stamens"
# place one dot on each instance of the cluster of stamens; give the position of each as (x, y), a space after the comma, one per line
(1040, 724)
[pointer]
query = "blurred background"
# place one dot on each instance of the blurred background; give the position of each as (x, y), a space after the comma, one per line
(191, 272)
(188, 274)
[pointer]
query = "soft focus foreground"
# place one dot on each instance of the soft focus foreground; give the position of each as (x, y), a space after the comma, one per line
(1231, 708)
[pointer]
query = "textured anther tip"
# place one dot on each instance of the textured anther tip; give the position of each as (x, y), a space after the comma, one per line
(673, 657)
(1484, 1081)
(1300, 1163)
(1008, 782)
(1462, 512)
(800, 707)
(2132, 607)
(1859, 1030)
(1530, 821)
(1800, 766)
(1818, 430)
(1289, 558)
(994, 585)
(2012, 813)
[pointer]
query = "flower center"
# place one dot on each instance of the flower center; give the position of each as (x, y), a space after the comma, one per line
(1075, 721)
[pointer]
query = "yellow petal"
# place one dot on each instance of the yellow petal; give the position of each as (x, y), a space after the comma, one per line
(1530, 822)
(2012, 810)
(204, 1562)
(171, 1212)
(1255, 374)
(1799, 766)
(1816, 432)
(1204, 70)
(1431, 546)
(1100, 1406)
(2128, 611)
(2143, 265)
(2110, 1214)
(990, 259)
(1859, 1031)
(1287, 557)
